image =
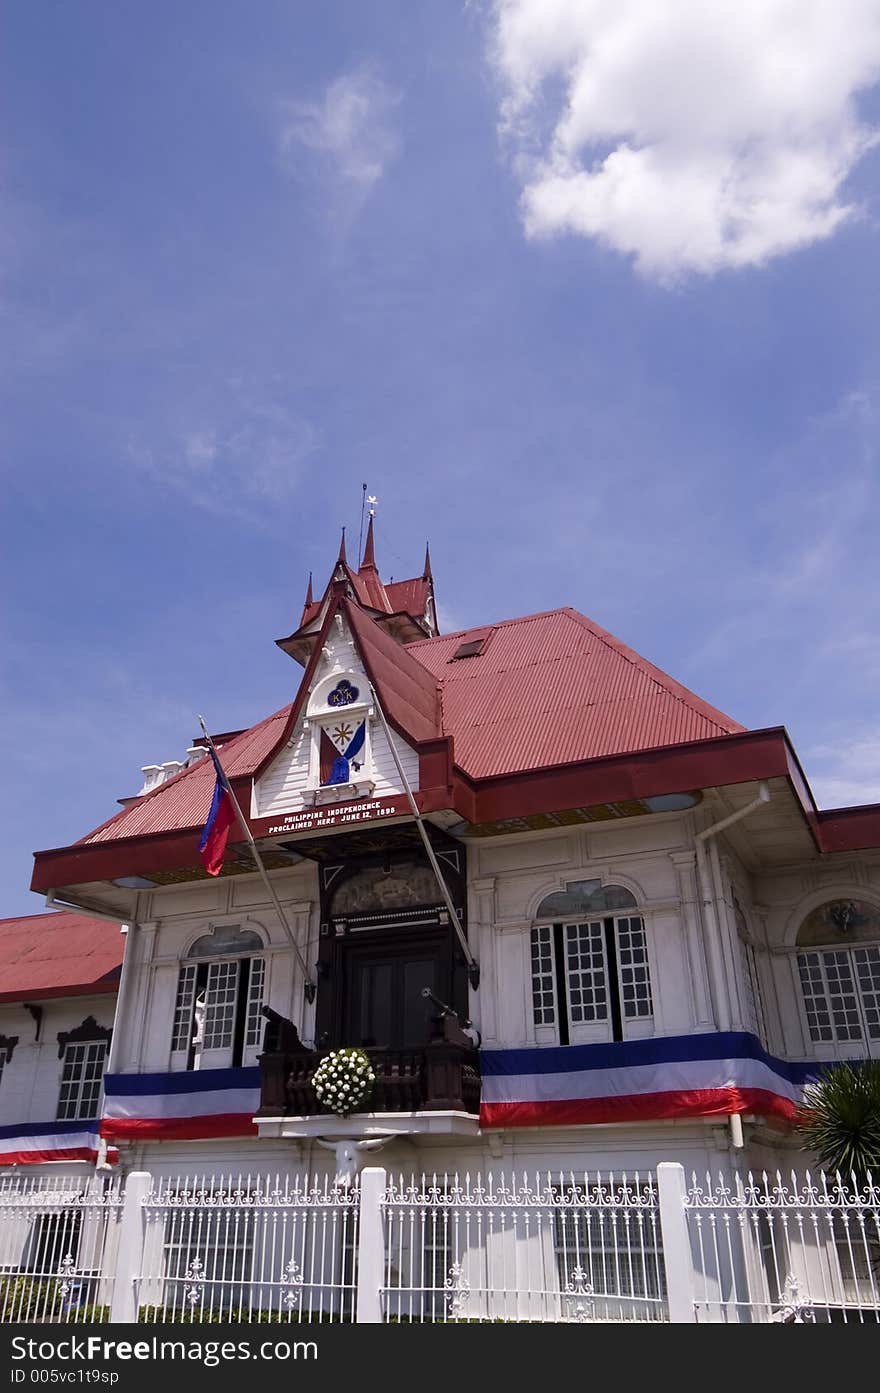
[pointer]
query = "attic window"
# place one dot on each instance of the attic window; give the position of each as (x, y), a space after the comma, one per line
(471, 649)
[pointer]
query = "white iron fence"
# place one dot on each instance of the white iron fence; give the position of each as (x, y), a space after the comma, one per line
(58, 1240)
(248, 1249)
(551, 1248)
(523, 1248)
(799, 1249)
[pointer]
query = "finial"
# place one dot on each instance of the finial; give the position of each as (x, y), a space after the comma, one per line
(342, 556)
(427, 571)
(369, 548)
(310, 600)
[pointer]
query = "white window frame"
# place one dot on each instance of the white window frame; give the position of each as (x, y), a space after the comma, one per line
(217, 1056)
(868, 1031)
(633, 1027)
(90, 1052)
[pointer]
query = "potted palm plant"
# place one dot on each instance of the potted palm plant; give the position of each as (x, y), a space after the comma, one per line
(840, 1120)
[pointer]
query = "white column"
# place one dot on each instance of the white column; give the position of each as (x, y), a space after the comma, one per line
(483, 1004)
(676, 1243)
(695, 956)
(371, 1246)
(129, 1258)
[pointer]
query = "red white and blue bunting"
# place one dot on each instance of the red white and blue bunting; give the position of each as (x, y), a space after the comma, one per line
(639, 1081)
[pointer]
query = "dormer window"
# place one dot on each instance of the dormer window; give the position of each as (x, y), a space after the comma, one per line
(339, 720)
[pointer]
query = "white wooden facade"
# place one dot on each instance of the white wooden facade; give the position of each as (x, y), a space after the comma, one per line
(652, 857)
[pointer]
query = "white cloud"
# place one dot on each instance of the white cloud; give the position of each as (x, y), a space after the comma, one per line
(692, 135)
(351, 125)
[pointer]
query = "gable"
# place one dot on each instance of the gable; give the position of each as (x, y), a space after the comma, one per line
(338, 701)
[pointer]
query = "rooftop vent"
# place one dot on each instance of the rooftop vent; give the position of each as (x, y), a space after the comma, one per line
(473, 646)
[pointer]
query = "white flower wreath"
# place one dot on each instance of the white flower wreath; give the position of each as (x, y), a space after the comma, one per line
(344, 1080)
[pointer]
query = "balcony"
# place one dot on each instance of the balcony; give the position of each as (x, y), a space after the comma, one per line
(442, 1077)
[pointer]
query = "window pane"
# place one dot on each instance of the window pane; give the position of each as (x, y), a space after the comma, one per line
(842, 995)
(632, 964)
(543, 994)
(867, 962)
(815, 1001)
(585, 972)
(254, 1027)
(830, 999)
(220, 998)
(81, 1072)
(182, 1032)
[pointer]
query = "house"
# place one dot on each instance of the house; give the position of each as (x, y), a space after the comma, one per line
(59, 974)
(578, 917)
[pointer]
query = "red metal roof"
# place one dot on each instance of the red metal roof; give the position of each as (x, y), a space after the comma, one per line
(546, 690)
(58, 954)
(185, 800)
(410, 696)
(409, 596)
(554, 688)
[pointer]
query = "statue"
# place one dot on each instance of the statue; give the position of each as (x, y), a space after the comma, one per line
(348, 1153)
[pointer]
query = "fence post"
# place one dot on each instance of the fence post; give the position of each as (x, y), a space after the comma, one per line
(371, 1246)
(676, 1242)
(129, 1258)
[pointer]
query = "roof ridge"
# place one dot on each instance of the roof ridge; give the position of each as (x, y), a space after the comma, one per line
(498, 624)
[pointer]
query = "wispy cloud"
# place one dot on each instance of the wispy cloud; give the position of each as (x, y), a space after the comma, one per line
(692, 137)
(351, 126)
(250, 455)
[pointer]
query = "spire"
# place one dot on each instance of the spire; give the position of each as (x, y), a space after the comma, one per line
(310, 600)
(427, 571)
(369, 550)
(342, 556)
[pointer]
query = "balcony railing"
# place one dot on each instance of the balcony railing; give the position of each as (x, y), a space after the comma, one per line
(442, 1076)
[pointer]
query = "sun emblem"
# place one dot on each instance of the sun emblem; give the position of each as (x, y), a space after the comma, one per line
(342, 733)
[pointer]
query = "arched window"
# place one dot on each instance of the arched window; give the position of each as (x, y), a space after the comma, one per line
(589, 959)
(217, 1015)
(839, 966)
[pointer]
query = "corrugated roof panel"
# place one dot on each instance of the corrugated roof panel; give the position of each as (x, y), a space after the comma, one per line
(547, 689)
(185, 800)
(58, 954)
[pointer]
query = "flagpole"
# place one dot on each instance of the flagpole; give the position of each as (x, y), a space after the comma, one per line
(310, 987)
(472, 964)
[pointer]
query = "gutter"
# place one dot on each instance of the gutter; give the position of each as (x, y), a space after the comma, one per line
(709, 870)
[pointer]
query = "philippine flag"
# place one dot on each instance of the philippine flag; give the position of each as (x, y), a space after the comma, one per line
(220, 819)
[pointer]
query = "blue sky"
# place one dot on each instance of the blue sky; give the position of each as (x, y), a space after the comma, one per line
(586, 293)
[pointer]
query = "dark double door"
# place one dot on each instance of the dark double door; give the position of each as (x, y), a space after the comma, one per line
(383, 979)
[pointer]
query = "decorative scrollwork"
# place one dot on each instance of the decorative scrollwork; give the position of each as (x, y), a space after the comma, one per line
(292, 1280)
(459, 1292)
(194, 1280)
(66, 1274)
(795, 1310)
(583, 1302)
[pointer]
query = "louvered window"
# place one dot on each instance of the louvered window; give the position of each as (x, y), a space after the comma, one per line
(590, 975)
(218, 1018)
